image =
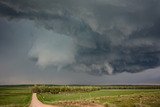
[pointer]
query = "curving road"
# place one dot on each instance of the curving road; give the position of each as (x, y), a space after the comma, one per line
(36, 103)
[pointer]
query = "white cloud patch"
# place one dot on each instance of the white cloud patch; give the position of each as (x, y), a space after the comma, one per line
(51, 48)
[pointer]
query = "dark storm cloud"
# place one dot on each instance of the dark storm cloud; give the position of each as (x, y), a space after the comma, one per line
(110, 36)
(10, 12)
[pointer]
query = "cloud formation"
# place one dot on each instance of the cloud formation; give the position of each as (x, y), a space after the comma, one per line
(101, 36)
(52, 49)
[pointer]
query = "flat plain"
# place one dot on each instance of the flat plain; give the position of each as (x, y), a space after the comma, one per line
(81, 96)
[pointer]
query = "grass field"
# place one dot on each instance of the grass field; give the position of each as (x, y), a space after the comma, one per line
(15, 96)
(71, 96)
(108, 98)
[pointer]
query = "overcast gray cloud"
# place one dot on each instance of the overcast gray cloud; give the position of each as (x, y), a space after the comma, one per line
(89, 36)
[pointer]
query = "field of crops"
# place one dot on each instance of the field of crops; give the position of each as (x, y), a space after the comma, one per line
(15, 96)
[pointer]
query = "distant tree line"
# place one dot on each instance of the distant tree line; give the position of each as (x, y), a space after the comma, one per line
(131, 87)
(63, 89)
(71, 89)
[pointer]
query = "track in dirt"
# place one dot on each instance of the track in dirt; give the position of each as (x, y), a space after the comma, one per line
(36, 103)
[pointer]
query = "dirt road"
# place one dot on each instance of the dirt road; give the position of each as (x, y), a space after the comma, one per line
(36, 103)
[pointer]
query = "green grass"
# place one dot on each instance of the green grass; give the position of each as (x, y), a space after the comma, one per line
(120, 98)
(150, 99)
(15, 96)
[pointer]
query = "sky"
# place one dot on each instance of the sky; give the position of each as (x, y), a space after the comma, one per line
(87, 42)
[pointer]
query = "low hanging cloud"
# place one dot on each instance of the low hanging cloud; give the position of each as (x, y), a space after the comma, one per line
(94, 69)
(98, 37)
(52, 49)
